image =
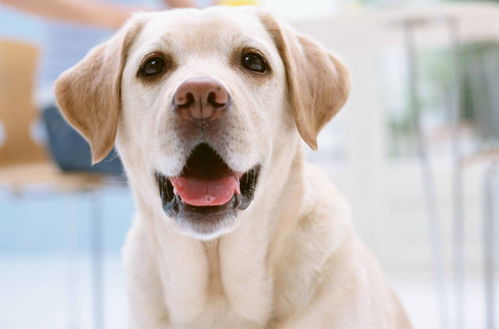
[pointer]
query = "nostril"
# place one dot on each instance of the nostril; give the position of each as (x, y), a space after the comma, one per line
(213, 101)
(185, 100)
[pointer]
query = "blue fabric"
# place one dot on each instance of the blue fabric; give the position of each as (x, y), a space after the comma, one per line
(70, 151)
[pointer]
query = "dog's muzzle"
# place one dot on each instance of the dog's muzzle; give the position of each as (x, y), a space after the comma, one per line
(207, 195)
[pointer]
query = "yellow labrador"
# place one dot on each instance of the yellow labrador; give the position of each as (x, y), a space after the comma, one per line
(233, 229)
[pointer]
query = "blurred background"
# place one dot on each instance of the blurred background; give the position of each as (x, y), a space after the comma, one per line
(415, 150)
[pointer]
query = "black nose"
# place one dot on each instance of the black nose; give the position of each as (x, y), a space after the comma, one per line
(201, 99)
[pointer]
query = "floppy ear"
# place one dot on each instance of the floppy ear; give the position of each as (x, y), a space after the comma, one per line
(318, 83)
(89, 93)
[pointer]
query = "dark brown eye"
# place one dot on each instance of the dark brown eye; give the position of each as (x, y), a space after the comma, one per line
(152, 66)
(254, 62)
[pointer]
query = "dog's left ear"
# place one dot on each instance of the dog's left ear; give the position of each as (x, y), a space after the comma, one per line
(318, 83)
(89, 94)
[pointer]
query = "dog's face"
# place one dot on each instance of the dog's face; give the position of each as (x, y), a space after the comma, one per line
(203, 103)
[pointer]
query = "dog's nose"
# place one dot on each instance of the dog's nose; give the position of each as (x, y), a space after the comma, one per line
(201, 99)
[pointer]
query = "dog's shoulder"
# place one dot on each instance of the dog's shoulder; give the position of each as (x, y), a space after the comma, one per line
(323, 224)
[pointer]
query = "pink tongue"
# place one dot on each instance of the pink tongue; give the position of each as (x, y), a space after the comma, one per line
(200, 192)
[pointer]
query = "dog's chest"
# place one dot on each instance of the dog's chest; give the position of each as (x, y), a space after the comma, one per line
(228, 295)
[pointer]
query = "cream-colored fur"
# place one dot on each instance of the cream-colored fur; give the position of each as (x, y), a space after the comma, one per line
(291, 260)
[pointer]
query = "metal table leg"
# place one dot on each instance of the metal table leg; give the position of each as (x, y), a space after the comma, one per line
(434, 222)
(96, 240)
(489, 217)
(458, 242)
(73, 278)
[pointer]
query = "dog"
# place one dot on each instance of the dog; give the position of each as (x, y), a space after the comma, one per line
(234, 230)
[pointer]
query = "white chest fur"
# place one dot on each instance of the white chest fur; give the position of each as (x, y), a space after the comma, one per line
(223, 284)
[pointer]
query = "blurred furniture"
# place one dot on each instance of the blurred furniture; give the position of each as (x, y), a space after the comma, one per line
(22, 160)
(486, 111)
(24, 163)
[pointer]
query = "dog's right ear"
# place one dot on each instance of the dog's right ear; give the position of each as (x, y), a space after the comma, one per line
(89, 94)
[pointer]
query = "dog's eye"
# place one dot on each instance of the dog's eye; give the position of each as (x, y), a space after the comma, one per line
(254, 62)
(152, 66)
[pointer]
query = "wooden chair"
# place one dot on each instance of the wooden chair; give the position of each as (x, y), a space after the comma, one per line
(24, 163)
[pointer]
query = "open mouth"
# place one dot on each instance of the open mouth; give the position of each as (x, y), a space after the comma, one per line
(207, 191)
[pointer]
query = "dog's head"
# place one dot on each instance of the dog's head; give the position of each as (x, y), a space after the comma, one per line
(201, 104)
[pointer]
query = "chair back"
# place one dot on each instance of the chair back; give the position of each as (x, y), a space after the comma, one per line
(18, 63)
